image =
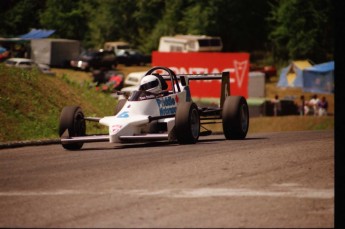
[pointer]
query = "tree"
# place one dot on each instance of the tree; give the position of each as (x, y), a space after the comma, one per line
(240, 23)
(19, 16)
(156, 18)
(291, 28)
(302, 29)
(66, 17)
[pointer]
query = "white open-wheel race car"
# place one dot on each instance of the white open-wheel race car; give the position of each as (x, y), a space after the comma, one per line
(156, 113)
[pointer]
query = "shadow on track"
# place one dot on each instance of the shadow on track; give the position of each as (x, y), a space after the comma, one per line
(134, 145)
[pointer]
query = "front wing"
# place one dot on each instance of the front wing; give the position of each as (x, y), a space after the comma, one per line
(65, 139)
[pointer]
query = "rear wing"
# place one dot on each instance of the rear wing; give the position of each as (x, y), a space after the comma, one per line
(185, 78)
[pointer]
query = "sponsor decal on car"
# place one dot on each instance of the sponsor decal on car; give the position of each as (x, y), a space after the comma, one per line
(166, 105)
(115, 129)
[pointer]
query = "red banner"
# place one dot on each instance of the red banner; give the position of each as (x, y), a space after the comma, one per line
(208, 62)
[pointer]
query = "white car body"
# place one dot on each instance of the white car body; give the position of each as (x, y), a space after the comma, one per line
(133, 118)
(170, 115)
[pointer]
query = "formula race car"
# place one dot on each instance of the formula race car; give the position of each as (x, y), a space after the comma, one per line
(162, 109)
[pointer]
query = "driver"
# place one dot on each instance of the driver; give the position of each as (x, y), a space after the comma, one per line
(151, 83)
(154, 85)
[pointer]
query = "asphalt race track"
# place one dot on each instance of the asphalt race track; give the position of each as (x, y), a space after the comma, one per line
(268, 180)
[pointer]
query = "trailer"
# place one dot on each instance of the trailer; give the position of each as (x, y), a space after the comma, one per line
(190, 43)
(54, 52)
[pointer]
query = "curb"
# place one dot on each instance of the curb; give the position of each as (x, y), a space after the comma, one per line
(28, 143)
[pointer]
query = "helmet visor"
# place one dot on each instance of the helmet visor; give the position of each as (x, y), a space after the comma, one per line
(149, 85)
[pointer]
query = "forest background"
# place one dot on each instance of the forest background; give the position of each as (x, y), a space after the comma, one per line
(273, 30)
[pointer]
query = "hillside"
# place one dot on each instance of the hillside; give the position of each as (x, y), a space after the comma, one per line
(30, 104)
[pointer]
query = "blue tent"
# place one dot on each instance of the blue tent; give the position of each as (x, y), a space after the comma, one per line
(292, 75)
(319, 78)
(37, 34)
(33, 34)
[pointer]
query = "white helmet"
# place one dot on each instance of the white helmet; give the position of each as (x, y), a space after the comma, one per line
(150, 83)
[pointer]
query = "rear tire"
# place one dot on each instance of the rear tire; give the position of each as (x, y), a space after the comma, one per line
(187, 123)
(235, 117)
(72, 120)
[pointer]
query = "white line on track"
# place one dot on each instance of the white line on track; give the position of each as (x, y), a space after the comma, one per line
(226, 192)
(292, 191)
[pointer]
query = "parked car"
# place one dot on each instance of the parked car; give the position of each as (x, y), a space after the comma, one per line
(25, 63)
(131, 83)
(134, 78)
(95, 59)
(130, 57)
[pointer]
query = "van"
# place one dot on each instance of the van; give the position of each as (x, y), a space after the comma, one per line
(190, 43)
(116, 46)
(132, 83)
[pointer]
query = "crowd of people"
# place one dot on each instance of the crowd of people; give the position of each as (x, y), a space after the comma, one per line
(314, 106)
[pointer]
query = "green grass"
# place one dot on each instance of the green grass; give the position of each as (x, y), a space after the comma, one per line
(31, 102)
(284, 123)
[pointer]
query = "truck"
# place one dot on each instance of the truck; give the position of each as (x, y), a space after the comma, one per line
(190, 43)
(116, 46)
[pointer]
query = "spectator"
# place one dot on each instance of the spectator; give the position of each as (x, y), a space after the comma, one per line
(323, 106)
(302, 107)
(276, 105)
(98, 76)
(311, 107)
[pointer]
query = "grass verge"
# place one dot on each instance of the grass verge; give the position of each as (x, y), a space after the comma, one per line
(31, 102)
(284, 123)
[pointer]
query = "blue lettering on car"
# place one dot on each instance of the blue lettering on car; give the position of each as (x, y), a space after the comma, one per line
(166, 105)
(123, 115)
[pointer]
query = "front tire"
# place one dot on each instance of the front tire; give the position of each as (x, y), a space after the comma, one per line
(235, 117)
(187, 123)
(72, 124)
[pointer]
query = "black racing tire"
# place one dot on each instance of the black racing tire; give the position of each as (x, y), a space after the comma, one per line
(72, 119)
(235, 116)
(187, 123)
(119, 105)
